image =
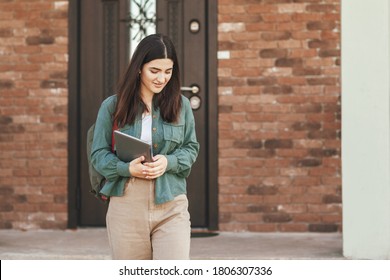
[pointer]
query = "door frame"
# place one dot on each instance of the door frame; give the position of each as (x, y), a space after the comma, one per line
(74, 111)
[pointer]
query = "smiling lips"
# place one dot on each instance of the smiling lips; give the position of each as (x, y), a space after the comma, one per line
(158, 85)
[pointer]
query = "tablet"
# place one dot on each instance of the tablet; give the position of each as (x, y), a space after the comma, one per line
(129, 147)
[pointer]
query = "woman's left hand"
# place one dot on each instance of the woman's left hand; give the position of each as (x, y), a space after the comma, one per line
(156, 168)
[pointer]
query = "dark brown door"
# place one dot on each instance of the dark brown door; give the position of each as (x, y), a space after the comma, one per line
(185, 23)
(103, 55)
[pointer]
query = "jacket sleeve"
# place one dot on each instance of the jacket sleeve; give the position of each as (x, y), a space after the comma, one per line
(181, 160)
(104, 161)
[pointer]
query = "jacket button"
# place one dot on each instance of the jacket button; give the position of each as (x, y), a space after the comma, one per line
(155, 146)
(154, 129)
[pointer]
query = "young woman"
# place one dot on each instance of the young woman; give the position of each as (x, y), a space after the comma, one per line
(148, 214)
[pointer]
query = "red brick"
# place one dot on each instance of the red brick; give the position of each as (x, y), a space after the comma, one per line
(277, 199)
(296, 227)
(246, 72)
(304, 17)
(276, 35)
(276, 218)
(331, 219)
(321, 25)
(259, 9)
(321, 8)
(302, 53)
(259, 26)
(230, 9)
(291, 153)
(41, 198)
(324, 208)
(275, 180)
(307, 218)
(247, 217)
(30, 172)
(276, 17)
(53, 208)
(243, 54)
(262, 227)
(246, 36)
(28, 208)
(323, 227)
(291, 26)
(306, 181)
(292, 81)
(306, 198)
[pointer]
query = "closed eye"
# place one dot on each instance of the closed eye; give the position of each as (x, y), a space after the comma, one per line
(156, 70)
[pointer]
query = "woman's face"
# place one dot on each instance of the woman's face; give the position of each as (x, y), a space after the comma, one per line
(155, 75)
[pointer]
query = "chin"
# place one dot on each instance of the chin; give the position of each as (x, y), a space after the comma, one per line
(158, 90)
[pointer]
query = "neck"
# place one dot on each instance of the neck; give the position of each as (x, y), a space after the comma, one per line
(147, 99)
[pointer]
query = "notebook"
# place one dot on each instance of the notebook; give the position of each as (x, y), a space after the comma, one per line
(129, 147)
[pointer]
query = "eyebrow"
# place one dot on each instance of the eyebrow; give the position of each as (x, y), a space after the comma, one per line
(156, 68)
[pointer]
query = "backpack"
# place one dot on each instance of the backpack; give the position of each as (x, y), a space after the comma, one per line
(96, 179)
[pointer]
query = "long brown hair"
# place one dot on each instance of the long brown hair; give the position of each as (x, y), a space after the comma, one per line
(129, 101)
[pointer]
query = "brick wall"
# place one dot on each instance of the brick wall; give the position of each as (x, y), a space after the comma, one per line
(33, 113)
(279, 115)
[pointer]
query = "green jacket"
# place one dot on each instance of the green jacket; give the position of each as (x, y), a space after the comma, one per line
(176, 141)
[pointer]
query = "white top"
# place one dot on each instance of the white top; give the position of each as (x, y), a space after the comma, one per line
(146, 132)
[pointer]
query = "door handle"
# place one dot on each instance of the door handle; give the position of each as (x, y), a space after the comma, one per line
(193, 89)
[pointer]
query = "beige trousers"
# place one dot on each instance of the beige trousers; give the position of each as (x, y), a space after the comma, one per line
(139, 229)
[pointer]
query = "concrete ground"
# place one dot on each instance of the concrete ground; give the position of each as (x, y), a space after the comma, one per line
(92, 244)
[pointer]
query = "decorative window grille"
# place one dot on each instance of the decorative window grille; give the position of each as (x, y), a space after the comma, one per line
(141, 20)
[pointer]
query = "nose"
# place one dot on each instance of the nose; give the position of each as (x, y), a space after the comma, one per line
(161, 77)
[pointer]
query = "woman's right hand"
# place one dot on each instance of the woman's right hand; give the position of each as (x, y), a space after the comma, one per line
(136, 167)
